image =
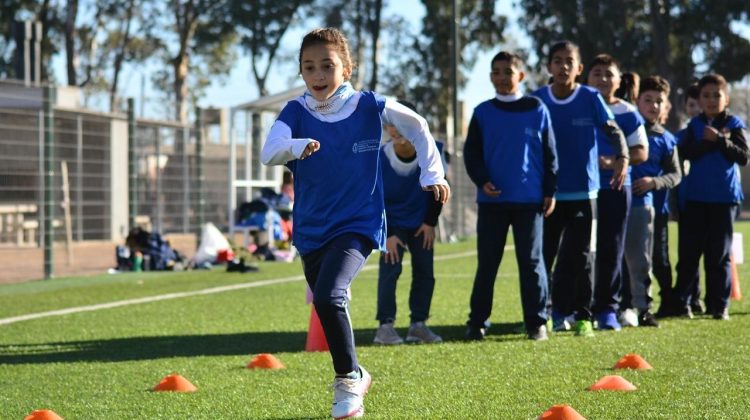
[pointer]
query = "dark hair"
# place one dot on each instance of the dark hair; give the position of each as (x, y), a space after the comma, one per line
(329, 36)
(512, 58)
(407, 104)
(693, 91)
(605, 60)
(630, 85)
(656, 84)
(713, 79)
(563, 45)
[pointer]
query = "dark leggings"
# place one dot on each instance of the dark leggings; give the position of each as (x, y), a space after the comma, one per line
(329, 271)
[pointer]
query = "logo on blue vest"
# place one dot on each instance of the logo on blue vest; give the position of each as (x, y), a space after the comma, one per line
(366, 146)
(581, 122)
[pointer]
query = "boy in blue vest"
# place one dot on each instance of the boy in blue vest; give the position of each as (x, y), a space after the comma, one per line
(715, 145)
(510, 155)
(659, 173)
(411, 215)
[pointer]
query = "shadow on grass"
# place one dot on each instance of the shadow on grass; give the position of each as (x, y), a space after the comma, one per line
(157, 347)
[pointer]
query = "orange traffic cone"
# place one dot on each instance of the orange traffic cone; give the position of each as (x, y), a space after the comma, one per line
(633, 361)
(265, 361)
(43, 415)
(736, 293)
(561, 412)
(175, 382)
(612, 383)
(316, 338)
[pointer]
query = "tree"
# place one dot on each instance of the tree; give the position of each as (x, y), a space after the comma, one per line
(204, 37)
(677, 39)
(261, 25)
(361, 20)
(422, 68)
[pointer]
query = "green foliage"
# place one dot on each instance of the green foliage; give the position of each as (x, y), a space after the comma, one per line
(423, 70)
(261, 25)
(675, 38)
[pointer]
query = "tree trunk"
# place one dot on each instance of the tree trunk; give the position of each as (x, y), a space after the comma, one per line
(70, 41)
(181, 64)
(120, 56)
(375, 37)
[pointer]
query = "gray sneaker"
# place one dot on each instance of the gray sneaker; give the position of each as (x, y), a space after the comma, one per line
(387, 335)
(419, 332)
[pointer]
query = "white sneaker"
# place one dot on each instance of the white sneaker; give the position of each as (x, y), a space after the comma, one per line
(348, 396)
(628, 318)
(387, 335)
(419, 332)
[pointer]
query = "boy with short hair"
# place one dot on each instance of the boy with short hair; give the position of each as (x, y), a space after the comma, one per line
(510, 155)
(659, 173)
(715, 145)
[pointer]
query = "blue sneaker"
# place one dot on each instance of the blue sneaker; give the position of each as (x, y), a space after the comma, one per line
(560, 322)
(607, 320)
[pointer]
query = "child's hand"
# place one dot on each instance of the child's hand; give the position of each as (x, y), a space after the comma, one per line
(710, 133)
(643, 185)
(428, 233)
(391, 247)
(548, 206)
(311, 148)
(442, 192)
(489, 189)
(606, 162)
(620, 170)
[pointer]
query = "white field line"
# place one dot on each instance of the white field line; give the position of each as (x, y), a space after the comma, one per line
(177, 295)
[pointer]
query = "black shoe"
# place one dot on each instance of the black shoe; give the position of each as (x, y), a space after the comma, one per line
(697, 307)
(538, 334)
(684, 312)
(474, 333)
(647, 319)
(722, 315)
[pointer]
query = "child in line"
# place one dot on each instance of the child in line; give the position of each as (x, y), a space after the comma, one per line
(715, 145)
(577, 112)
(662, 268)
(330, 140)
(510, 155)
(659, 173)
(411, 215)
(613, 205)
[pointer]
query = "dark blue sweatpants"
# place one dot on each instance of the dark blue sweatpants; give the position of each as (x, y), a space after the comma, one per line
(613, 208)
(708, 230)
(422, 278)
(493, 223)
(329, 271)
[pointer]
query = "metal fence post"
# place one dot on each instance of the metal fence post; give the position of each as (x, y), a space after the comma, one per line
(132, 166)
(201, 204)
(49, 179)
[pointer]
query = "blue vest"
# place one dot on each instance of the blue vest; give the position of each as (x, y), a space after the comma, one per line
(575, 121)
(405, 201)
(712, 178)
(339, 188)
(513, 154)
(659, 147)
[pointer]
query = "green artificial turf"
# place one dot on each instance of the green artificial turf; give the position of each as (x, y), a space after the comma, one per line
(102, 364)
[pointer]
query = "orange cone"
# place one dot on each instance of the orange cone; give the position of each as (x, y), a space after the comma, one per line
(561, 412)
(736, 293)
(316, 339)
(176, 383)
(43, 415)
(265, 361)
(612, 383)
(633, 361)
